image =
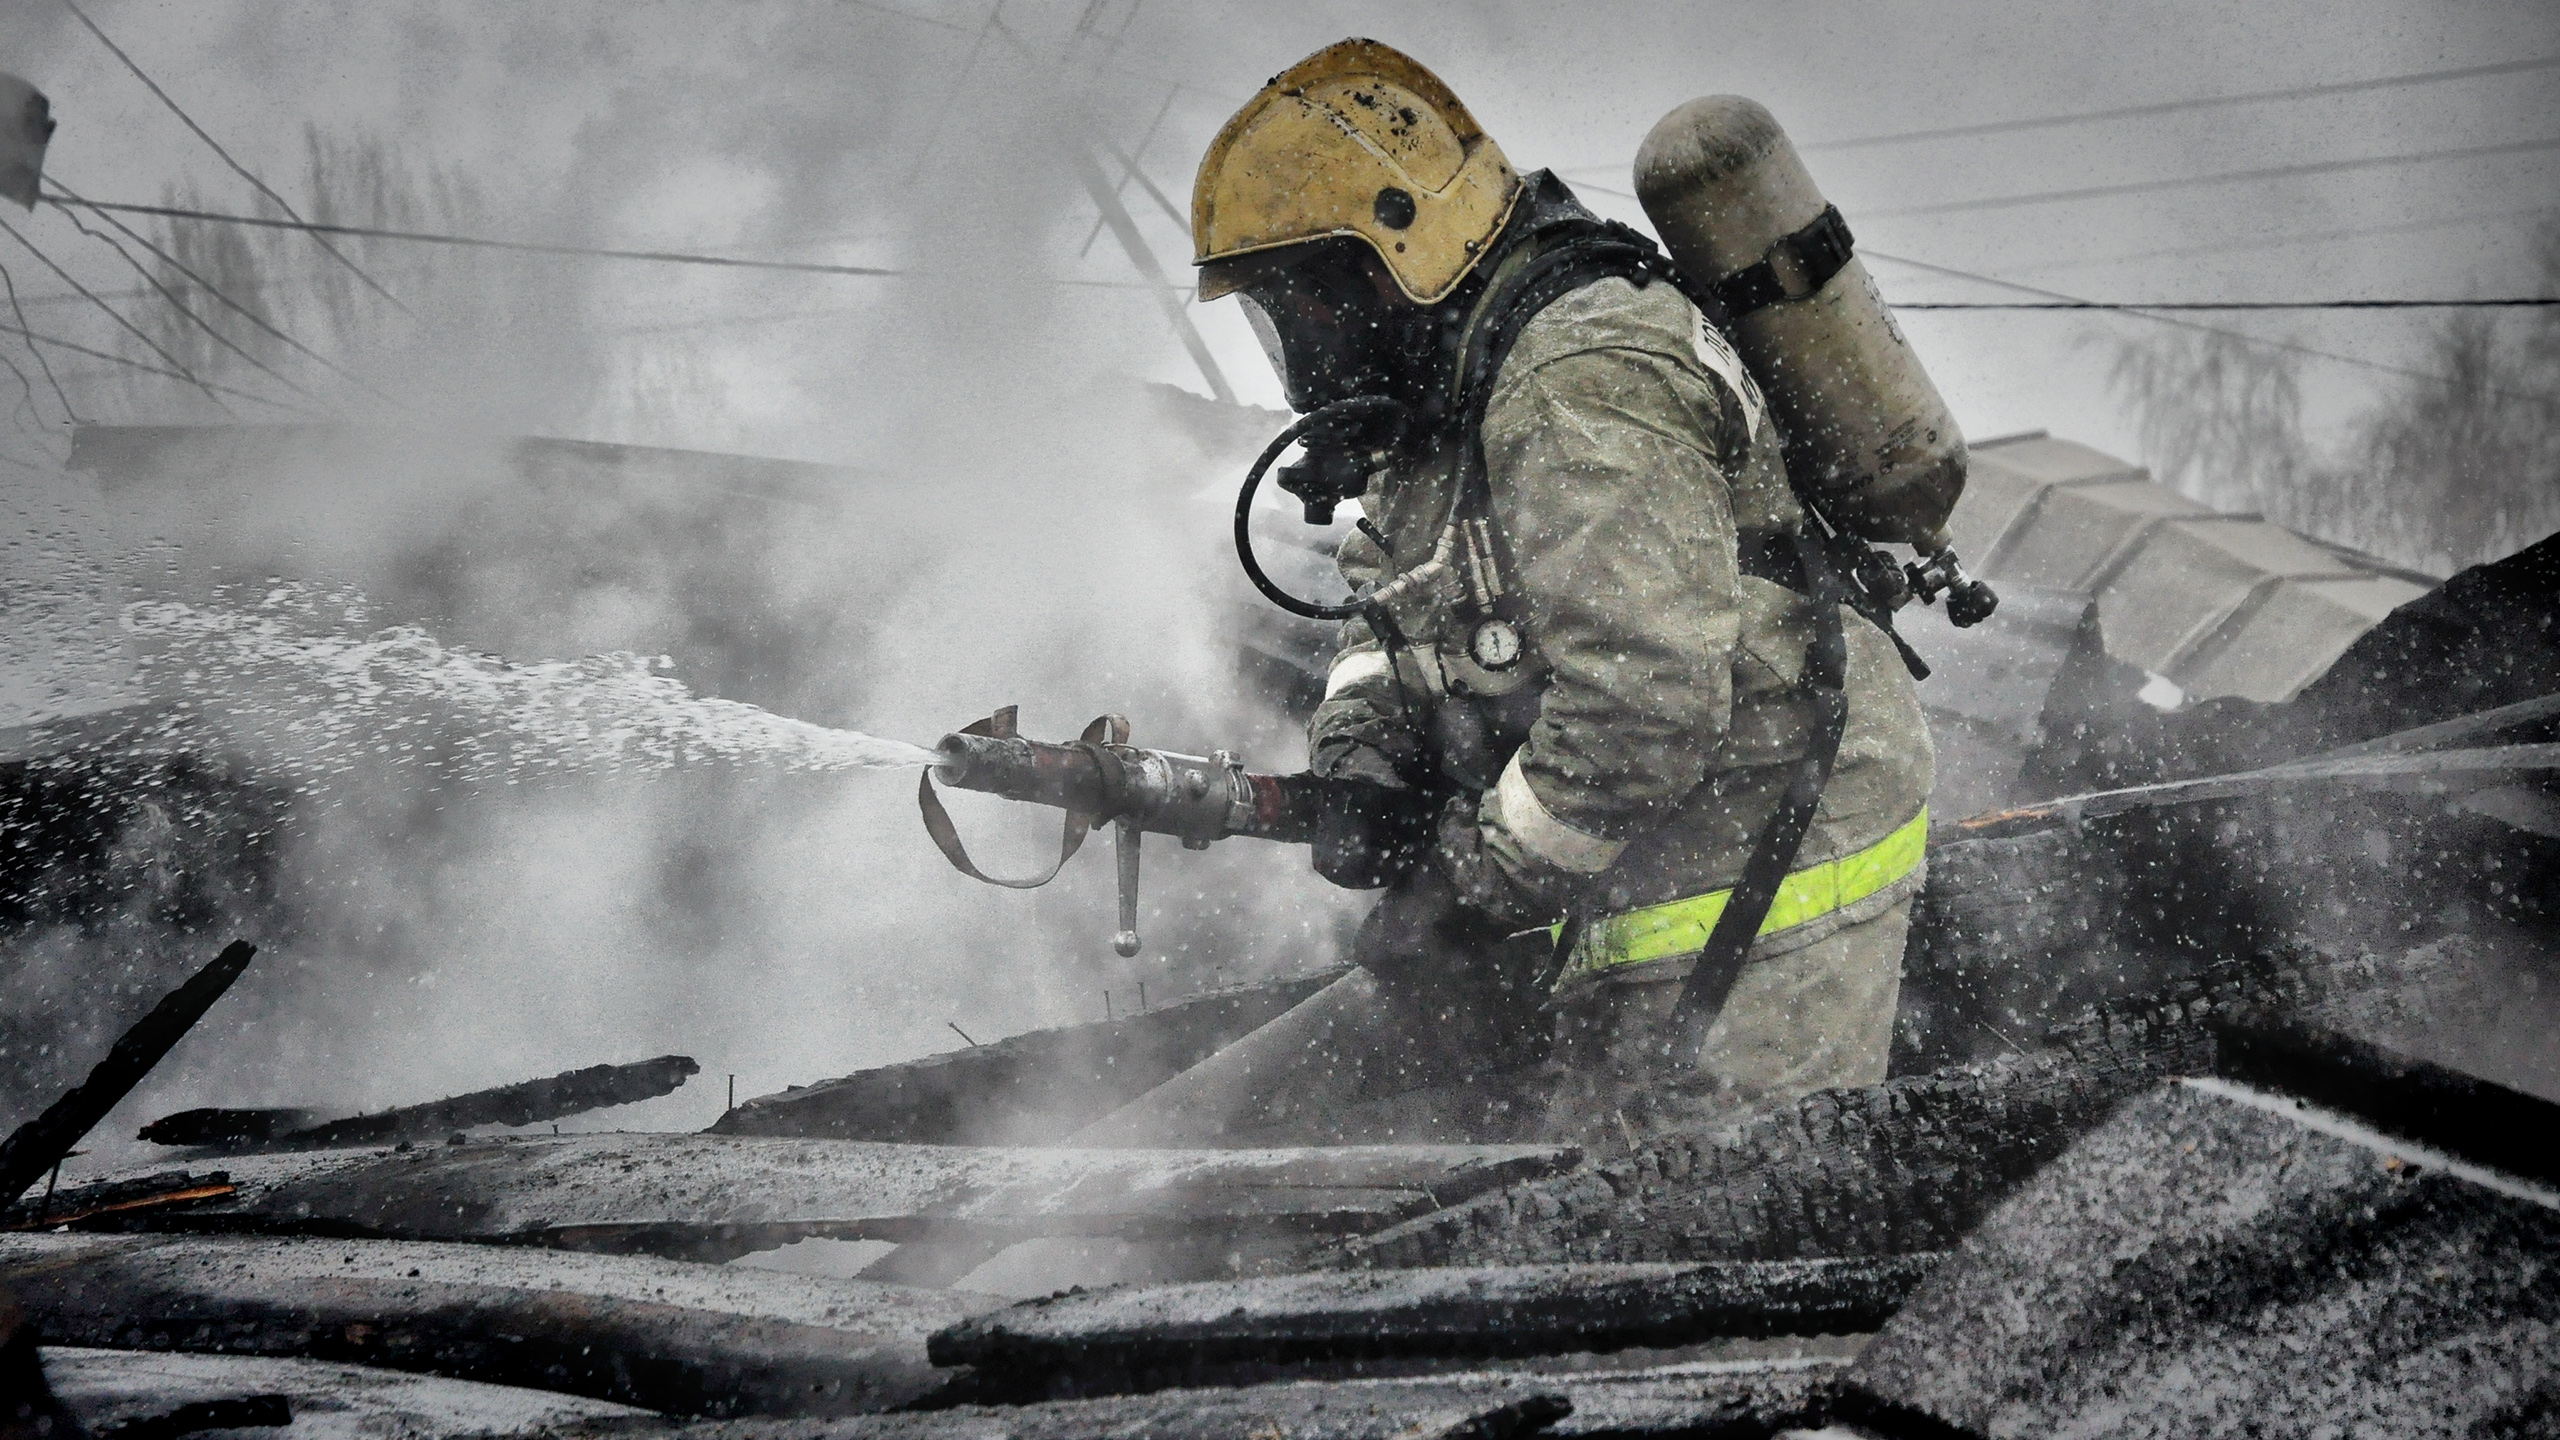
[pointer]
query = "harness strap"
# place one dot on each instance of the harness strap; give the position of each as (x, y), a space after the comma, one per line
(1826, 680)
(1794, 267)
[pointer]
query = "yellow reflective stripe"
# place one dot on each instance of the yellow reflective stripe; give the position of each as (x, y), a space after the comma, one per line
(1681, 927)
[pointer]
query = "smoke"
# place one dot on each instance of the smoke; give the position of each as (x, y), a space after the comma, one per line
(992, 509)
(1002, 514)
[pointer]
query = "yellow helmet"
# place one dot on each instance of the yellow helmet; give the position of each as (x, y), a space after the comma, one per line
(1356, 139)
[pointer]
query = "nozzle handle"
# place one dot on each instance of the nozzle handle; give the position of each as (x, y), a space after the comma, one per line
(1125, 943)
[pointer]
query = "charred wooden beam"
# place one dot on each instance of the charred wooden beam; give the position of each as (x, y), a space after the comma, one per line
(1028, 1088)
(226, 1129)
(1133, 1338)
(1729, 1401)
(104, 1199)
(1907, 1166)
(524, 1103)
(717, 1196)
(40, 1144)
(104, 1388)
(2420, 772)
(665, 1335)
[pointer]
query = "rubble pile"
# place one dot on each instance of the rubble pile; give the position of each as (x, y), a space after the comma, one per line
(2222, 1102)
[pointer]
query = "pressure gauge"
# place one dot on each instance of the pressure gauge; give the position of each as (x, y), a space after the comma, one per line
(1495, 645)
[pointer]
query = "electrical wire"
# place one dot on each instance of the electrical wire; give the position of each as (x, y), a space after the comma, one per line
(2224, 247)
(2229, 177)
(2170, 320)
(41, 363)
(243, 311)
(131, 363)
(668, 257)
(113, 314)
(183, 308)
(237, 168)
(2207, 102)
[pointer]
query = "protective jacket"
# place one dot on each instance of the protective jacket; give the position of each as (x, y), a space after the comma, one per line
(1633, 752)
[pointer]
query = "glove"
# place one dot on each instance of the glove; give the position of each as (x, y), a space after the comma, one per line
(1476, 877)
(1368, 834)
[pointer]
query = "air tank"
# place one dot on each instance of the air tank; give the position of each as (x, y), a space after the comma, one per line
(1865, 432)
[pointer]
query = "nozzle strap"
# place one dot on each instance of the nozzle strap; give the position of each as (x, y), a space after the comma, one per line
(1105, 730)
(1680, 927)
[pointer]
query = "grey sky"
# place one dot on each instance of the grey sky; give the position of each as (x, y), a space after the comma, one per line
(846, 130)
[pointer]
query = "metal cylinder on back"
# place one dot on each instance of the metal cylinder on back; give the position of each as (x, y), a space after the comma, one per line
(1866, 434)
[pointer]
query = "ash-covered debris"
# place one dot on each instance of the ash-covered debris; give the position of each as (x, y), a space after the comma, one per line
(1233, 1332)
(105, 1387)
(664, 1335)
(527, 1102)
(1903, 1167)
(2488, 637)
(41, 1143)
(2218, 1261)
(1024, 1088)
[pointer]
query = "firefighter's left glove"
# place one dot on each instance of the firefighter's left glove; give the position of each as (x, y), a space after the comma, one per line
(1478, 878)
(1368, 834)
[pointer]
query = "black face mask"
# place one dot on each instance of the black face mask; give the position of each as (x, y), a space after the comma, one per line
(1331, 334)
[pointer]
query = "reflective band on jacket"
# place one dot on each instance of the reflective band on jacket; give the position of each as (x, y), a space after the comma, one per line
(1681, 927)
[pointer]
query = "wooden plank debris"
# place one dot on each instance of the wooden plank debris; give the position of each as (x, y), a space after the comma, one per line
(1026, 1089)
(1150, 1337)
(331, 1401)
(526, 1102)
(39, 1145)
(660, 1334)
(1709, 1398)
(718, 1196)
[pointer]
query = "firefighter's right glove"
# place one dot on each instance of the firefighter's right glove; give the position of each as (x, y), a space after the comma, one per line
(1367, 833)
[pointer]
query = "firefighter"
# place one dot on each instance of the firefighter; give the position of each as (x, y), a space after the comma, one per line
(1605, 697)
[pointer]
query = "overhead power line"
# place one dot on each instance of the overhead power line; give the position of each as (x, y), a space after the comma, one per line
(2147, 313)
(112, 313)
(2514, 302)
(2228, 177)
(132, 364)
(476, 242)
(243, 311)
(237, 168)
(2205, 102)
(2272, 242)
(183, 308)
(41, 363)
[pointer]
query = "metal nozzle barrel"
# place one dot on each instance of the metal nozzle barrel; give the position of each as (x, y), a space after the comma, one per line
(1199, 799)
(1066, 776)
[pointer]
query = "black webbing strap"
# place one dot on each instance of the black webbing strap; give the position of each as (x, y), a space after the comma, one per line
(1106, 730)
(1795, 266)
(1826, 682)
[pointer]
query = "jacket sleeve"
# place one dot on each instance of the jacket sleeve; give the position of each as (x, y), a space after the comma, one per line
(1608, 488)
(1360, 723)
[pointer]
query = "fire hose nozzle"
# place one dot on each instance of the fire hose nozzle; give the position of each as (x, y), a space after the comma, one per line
(1102, 779)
